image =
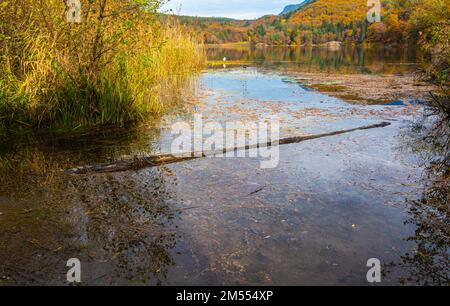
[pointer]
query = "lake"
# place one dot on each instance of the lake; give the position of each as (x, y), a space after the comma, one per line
(329, 206)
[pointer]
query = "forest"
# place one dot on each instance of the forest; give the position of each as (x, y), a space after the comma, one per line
(322, 21)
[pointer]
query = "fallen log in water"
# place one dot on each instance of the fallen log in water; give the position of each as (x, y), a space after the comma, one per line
(138, 163)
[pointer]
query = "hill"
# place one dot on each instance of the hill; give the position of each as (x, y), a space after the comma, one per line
(312, 21)
(318, 22)
(315, 22)
(217, 30)
(294, 7)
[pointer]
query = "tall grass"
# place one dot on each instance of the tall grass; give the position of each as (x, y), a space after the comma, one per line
(112, 68)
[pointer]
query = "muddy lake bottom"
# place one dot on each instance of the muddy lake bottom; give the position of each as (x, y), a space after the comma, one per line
(315, 219)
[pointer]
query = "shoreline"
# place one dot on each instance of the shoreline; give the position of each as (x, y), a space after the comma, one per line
(367, 89)
(342, 44)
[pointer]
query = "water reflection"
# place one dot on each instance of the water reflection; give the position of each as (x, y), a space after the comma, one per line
(37, 158)
(120, 227)
(128, 224)
(350, 59)
(428, 264)
(316, 219)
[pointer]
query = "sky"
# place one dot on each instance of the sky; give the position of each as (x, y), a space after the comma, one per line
(238, 9)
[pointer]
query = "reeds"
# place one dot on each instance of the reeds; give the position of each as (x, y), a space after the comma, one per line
(112, 68)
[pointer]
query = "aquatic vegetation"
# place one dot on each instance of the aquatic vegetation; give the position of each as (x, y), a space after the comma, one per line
(329, 87)
(111, 68)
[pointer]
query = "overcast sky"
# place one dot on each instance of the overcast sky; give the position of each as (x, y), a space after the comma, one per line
(239, 9)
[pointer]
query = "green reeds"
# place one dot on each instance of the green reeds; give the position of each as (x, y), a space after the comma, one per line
(59, 76)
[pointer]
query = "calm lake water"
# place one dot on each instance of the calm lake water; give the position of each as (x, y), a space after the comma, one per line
(330, 205)
(348, 59)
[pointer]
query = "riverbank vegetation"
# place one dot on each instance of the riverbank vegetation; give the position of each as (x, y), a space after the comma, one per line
(430, 20)
(110, 68)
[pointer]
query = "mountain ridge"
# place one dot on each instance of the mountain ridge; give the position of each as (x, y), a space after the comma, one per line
(294, 7)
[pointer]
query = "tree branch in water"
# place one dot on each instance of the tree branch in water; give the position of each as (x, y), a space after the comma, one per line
(139, 163)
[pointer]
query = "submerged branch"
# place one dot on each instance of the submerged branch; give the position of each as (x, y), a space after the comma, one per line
(139, 163)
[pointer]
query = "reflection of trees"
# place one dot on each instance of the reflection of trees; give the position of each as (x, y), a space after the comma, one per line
(429, 264)
(128, 224)
(349, 59)
(36, 158)
(120, 227)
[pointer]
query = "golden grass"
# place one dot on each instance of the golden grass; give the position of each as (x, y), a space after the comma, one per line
(64, 76)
